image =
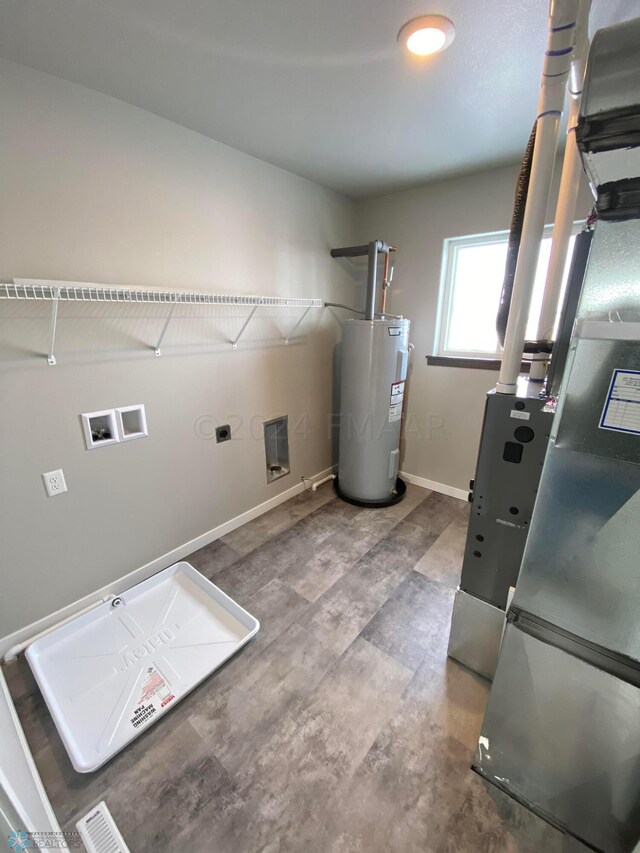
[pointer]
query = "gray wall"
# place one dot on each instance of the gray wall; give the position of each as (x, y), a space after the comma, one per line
(95, 190)
(444, 404)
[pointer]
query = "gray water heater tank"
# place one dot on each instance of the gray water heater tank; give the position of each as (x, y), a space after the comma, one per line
(373, 373)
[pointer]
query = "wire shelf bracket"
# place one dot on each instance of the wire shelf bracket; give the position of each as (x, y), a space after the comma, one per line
(292, 332)
(234, 343)
(51, 358)
(164, 330)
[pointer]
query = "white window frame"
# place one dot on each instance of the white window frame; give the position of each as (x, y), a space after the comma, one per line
(451, 247)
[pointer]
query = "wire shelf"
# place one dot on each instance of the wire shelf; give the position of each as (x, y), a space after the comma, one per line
(81, 292)
(76, 291)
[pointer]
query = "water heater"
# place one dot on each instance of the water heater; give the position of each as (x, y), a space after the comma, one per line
(373, 371)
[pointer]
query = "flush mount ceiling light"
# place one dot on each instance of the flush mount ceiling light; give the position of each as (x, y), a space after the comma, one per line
(426, 35)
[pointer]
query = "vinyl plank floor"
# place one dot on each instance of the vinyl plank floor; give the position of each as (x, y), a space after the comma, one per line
(213, 558)
(294, 545)
(414, 622)
(340, 551)
(443, 560)
(414, 790)
(239, 720)
(341, 728)
(255, 533)
(315, 747)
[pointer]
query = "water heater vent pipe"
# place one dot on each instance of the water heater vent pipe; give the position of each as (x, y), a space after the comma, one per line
(560, 41)
(375, 246)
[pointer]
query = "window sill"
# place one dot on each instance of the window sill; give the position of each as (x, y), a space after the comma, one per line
(469, 363)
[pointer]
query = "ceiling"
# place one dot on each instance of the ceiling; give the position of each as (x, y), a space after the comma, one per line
(318, 88)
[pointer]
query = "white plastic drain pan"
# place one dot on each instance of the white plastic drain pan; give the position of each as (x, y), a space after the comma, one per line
(109, 674)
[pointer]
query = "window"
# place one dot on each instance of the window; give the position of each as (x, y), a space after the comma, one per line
(472, 275)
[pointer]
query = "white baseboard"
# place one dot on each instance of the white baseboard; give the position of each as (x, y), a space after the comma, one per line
(443, 488)
(144, 572)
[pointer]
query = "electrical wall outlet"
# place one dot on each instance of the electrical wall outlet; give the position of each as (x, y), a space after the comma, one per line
(54, 483)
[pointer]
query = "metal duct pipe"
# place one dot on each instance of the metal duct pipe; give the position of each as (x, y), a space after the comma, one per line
(567, 195)
(569, 310)
(375, 246)
(350, 251)
(360, 251)
(562, 20)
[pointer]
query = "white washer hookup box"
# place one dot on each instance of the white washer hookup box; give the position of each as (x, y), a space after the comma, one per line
(109, 674)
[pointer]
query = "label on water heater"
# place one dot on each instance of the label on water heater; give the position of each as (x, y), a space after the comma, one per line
(395, 402)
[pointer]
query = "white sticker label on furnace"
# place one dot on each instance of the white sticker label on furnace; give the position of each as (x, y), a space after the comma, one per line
(522, 416)
(621, 411)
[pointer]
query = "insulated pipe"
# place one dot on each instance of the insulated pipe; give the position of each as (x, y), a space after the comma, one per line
(562, 19)
(515, 238)
(567, 196)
